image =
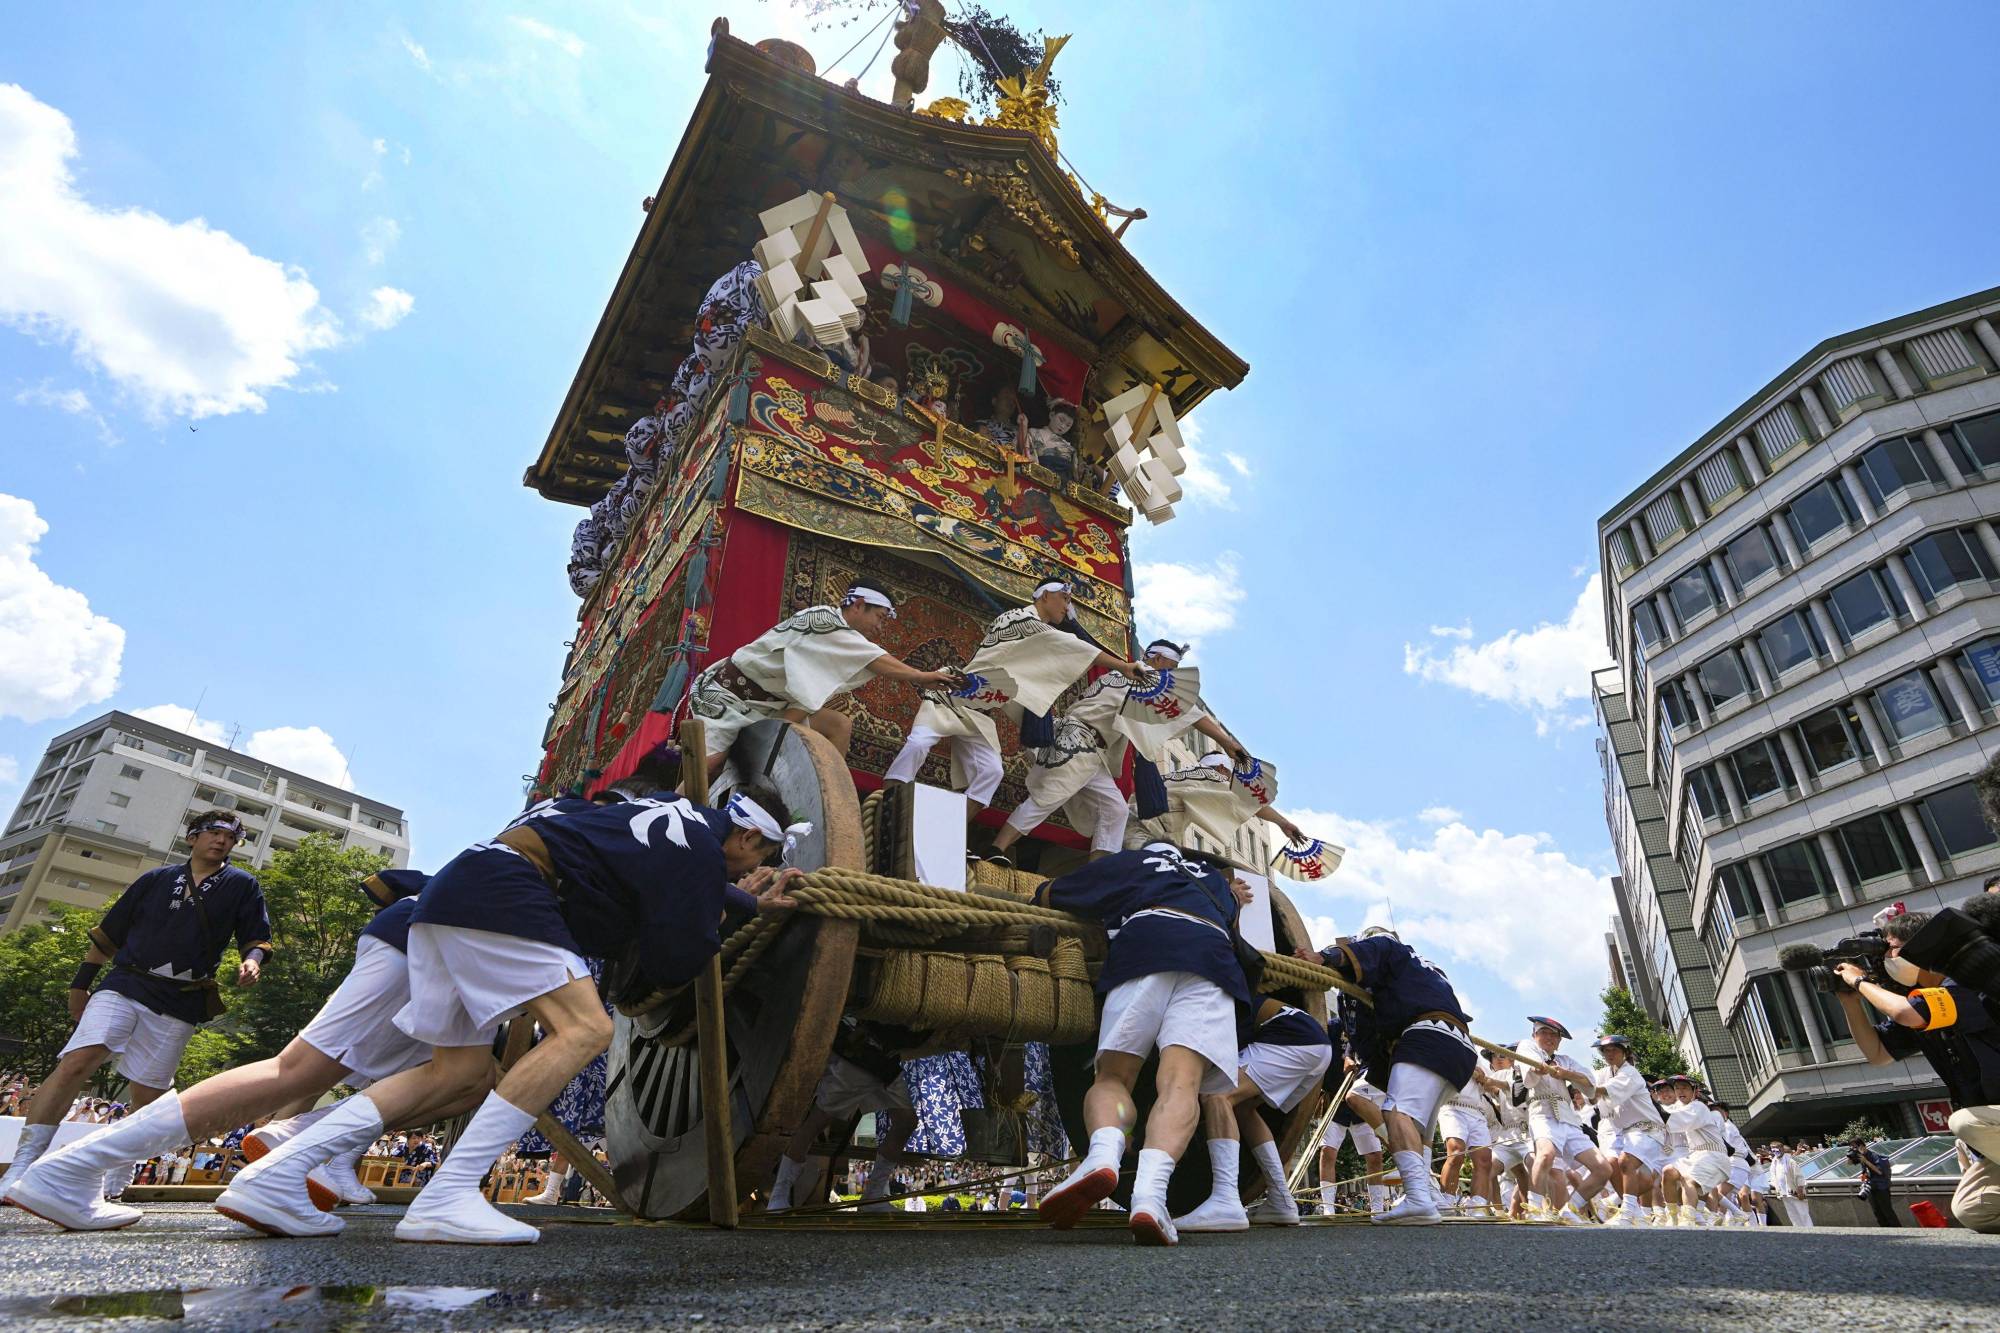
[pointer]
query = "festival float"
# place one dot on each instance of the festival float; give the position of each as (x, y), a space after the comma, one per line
(864, 339)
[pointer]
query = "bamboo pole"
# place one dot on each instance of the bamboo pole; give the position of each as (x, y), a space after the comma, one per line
(806, 268)
(520, 1036)
(710, 1032)
(1297, 1174)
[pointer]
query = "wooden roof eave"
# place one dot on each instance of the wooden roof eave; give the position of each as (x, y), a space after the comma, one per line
(740, 74)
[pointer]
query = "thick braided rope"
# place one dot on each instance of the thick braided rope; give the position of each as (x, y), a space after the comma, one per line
(858, 896)
(1284, 972)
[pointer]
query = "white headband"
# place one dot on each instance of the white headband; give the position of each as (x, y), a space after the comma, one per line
(746, 813)
(1053, 585)
(870, 596)
(1162, 648)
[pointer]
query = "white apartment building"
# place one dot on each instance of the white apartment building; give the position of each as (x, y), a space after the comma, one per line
(1805, 607)
(111, 798)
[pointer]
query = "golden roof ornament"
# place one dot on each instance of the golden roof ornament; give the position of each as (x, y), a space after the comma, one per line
(1024, 98)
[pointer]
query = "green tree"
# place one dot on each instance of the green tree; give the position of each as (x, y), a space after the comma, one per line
(36, 964)
(1653, 1047)
(317, 909)
(1861, 1127)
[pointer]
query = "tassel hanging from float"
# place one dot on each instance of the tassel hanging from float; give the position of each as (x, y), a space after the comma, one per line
(899, 310)
(1027, 385)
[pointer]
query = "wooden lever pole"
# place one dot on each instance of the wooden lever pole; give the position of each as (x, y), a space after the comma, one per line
(1298, 1171)
(711, 1034)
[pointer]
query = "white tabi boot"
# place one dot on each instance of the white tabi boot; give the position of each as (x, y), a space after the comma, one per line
(1476, 1206)
(1223, 1209)
(34, 1141)
(1378, 1199)
(270, 1195)
(450, 1209)
(116, 1179)
(67, 1187)
(781, 1188)
(1419, 1205)
(551, 1191)
(1328, 1206)
(268, 1138)
(1279, 1208)
(875, 1189)
(1150, 1221)
(1092, 1181)
(341, 1175)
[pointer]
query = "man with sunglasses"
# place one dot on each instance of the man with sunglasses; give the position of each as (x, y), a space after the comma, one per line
(163, 939)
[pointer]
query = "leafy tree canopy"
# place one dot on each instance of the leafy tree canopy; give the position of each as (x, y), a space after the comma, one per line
(1653, 1047)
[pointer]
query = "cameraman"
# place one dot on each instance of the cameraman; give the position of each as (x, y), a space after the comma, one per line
(1963, 943)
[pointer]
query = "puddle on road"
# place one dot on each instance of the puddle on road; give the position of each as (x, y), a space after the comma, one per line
(199, 1303)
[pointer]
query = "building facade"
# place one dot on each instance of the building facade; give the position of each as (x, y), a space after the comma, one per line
(1805, 609)
(111, 798)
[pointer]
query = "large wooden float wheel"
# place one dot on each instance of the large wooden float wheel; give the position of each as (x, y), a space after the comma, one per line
(781, 1017)
(1192, 1179)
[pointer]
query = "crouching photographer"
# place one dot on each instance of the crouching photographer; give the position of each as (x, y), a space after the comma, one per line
(1961, 946)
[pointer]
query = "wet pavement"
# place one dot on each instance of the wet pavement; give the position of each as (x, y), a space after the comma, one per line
(186, 1266)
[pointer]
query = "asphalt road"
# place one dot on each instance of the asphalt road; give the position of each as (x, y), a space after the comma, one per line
(591, 1273)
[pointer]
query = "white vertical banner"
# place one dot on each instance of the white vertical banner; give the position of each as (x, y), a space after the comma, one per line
(1255, 921)
(937, 836)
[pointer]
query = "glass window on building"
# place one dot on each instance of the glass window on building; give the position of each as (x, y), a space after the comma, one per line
(1706, 790)
(1982, 662)
(132, 772)
(1876, 845)
(1674, 705)
(1946, 559)
(1750, 557)
(1718, 932)
(1952, 816)
(1761, 770)
(1721, 678)
(1798, 872)
(1693, 592)
(1894, 466)
(1734, 887)
(1790, 641)
(1821, 511)
(1910, 706)
(1832, 737)
(1978, 441)
(1780, 1014)
(1827, 1016)
(1645, 625)
(1863, 602)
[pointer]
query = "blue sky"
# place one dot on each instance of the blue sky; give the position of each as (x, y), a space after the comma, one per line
(1490, 265)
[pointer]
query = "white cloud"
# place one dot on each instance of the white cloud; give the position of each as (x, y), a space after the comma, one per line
(567, 42)
(1201, 483)
(307, 750)
(380, 146)
(386, 307)
(10, 770)
(1451, 631)
(1237, 462)
(1513, 906)
(1440, 814)
(1187, 601)
(1542, 671)
(418, 54)
(56, 655)
(379, 237)
(180, 315)
(75, 402)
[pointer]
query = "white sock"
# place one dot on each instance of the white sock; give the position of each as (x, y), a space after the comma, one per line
(1151, 1185)
(1107, 1148)
(1273, 1167)
(497, 1123)
(1224, 1159)
(1326, 1191)
(1378, 1198)
(1634, 1206)
(1415, 1169)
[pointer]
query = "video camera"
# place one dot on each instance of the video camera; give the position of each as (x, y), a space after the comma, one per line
(1865, 951)
(1962, 942)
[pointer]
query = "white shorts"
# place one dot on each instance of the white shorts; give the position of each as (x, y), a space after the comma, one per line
(356, 1027)
(1510, 1153)
(1649, 1150)
(148, 1044)
(1366, 1140)
(1097, 806)
(847, 1089)
(1418, 1092)
(1739, 1173)
(1571, 1141)
(1173, 1009)
(1466, 1125)
(1706, 1168)
(974, 763)
(465, 983)
(1284, 1074)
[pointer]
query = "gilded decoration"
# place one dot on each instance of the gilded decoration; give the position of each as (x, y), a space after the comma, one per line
(887, 480)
